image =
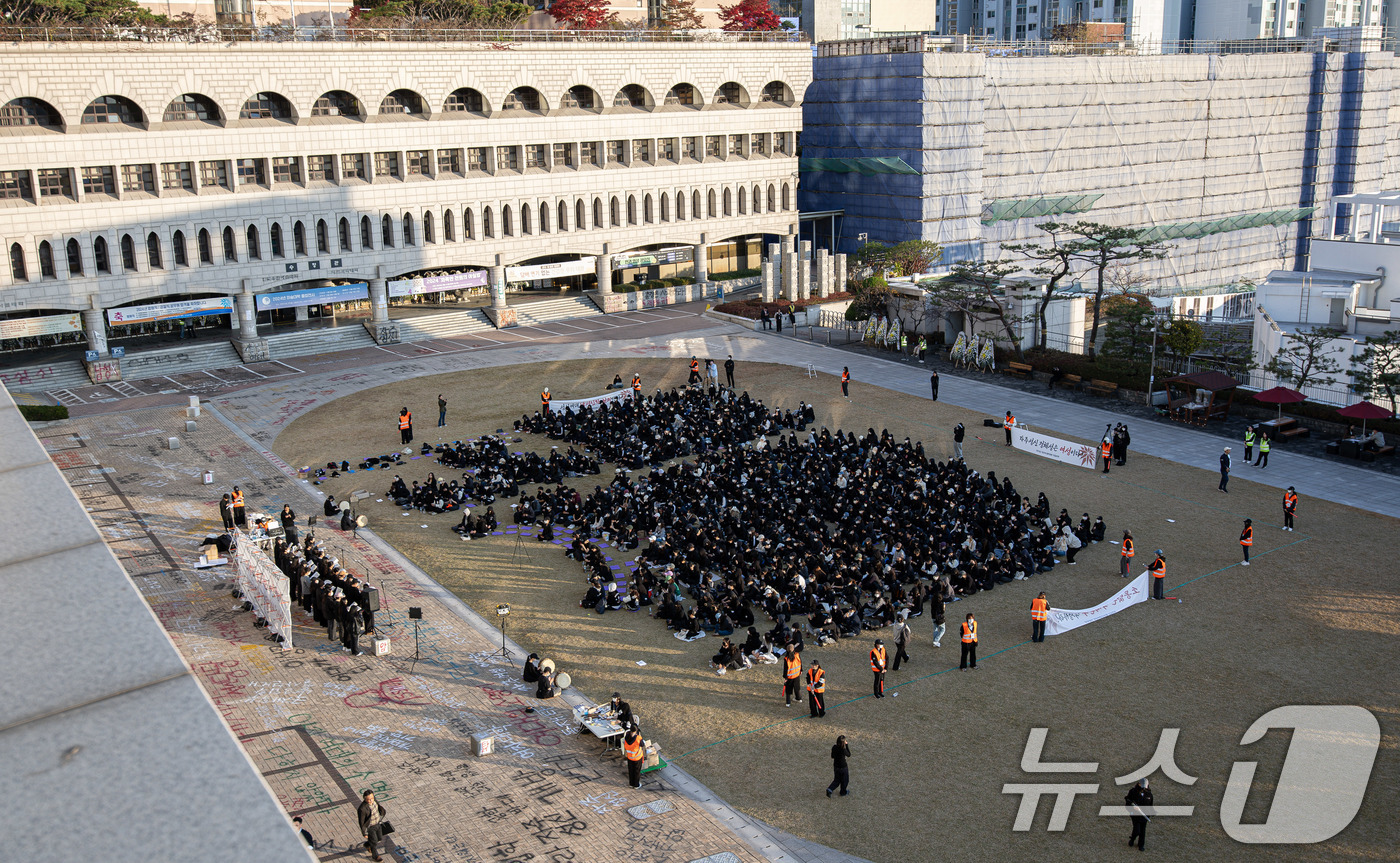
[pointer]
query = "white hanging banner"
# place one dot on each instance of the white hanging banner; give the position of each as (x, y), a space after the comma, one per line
(1058, 449)
(572, 405)
(535, 272)
(1062, 620)
(264, 585)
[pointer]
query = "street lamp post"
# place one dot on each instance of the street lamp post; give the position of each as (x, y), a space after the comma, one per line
(1152, 368)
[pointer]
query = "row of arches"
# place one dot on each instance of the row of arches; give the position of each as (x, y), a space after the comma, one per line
(466, 101)
(228, 246)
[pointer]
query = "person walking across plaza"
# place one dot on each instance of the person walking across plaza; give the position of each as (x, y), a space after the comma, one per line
(1009, 423)
(1290, 508)
(816, 690)
(877, 666)
(840, 766)
(969, 644)
(442, 411)
(1263, 460)
(1139, 796)
(1225, 470)
(633, 752)
(729, 371)
(846, 381)
(792, 675)
(1125, 554)
(1158, 569)
(933, 382)
(1040, 613)
(902, 635)
(1247, 539)
(405, 426)
(240, 514)
(958, 434)
(373, 825)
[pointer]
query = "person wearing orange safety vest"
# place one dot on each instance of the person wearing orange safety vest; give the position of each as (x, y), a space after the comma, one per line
(792, 674)
(1009, 423)
(969, 644)
(1125, 555)
(846, 381)
(816, 689)
(634, 753)
(1290, 508)
(1040, 612)
(1247, 539)
(405, 426)
(877, 665)
(544, 401)
(1106, 449)
(1158, 568)
(240, 515)
(694, 372)
(636, 386)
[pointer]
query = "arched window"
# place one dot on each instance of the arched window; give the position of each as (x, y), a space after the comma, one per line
(757, 199)
(507, 224)
(428, 227)
(266, 106)
(323, 237)
(523, 99)
(487, 228)
(776, 91)
(366, 234)
(112, 109)
(206, 247)
(75, 258)
(464, 101)
(787, 196)
(597, 212)
(614, 213)
(343, 229)
(402, 102)
(580, 96)
(128, 253)
(772, 198)
(710, 209)
(683, 94)
(449, 229)
(337, 103)
(30, 112)
(46, 269)
(153, 251)
(730, 93)
(468, 224)
(230, 248)
(665, 207)
(631, 210)
(101, 260)
(191, 107)
(408, 238)
(695, 203)
(680, 206)
(562, 223)
(632, 96)
(544, 218)
(386, 232)
(743, 200)
(728, 201)
(274, 239)
(579, 213)
(299, 237)
(18, 271)
(525, 220)
(254, 246)
(178, 252)
(648, 215)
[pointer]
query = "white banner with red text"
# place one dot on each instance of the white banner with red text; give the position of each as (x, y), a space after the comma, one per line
(1062, 620)
(571, 405)
(1058, 449)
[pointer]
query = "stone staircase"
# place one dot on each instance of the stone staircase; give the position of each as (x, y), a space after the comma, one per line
(546, 311)
(442, 325)
(190, 357)
(324, 340)
(45, 377)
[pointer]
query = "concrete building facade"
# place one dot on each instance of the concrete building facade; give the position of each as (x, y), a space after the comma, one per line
(171, 171)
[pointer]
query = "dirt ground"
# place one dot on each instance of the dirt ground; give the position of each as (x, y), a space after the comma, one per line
(1313, 621)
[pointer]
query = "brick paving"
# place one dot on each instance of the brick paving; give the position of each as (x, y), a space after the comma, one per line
(322, 725)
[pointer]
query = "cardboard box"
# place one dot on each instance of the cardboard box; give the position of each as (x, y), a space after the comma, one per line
(483, 745)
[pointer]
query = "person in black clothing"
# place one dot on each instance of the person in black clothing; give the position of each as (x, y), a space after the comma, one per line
(226, 512)
(841, 771)
(958, 433)
(933, 382)
(763, 316)
(289, 523)
(1138, 797)
(1225, 470)
(372, 822)
(729, 371)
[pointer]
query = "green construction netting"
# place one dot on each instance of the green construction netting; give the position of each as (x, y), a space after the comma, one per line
(865, 165)
(1195, 230)
(1025, 208)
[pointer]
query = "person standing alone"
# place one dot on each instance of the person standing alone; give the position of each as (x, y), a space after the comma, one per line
(1225, 470)
(1247, 539)
(545, 399)
(729, 371)
(405, 426)
(969, 644)
(933, 382)
(958, 433)
(1290, 508)
(1040, 612)
(1009, 423)
(442, 411)
(1158, 568)
(877, 666)
(816, 690)
(1125, 555)
(846, 381)
(840, 767)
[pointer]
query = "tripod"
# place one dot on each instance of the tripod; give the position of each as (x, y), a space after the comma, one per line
(521, 552)
(504, 653)
(416, 657)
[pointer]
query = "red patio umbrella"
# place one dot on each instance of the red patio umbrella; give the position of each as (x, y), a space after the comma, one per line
(1364, 411)
(1280, 396)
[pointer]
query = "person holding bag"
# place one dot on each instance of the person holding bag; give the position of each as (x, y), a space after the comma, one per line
(373, 825)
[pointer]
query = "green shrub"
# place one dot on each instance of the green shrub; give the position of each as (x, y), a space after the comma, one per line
(655, 283)
(43, 413)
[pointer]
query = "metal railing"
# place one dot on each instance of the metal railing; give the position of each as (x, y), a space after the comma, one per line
(205, 32)
(908, 43)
